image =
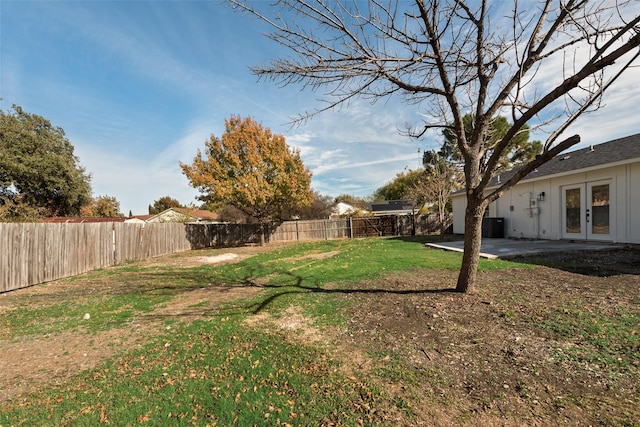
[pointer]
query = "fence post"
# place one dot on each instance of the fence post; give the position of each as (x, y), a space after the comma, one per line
(113, 243)
(267, 231)
(413, 223)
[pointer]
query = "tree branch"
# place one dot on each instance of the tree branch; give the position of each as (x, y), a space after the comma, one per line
(531, 166)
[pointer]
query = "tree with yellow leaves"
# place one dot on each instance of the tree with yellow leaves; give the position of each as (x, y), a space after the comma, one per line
(251, 169)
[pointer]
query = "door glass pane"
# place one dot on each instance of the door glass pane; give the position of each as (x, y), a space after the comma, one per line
(600, 209)
(572, 206)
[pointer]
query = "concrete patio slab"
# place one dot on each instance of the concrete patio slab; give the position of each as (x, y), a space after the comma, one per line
(508, 248)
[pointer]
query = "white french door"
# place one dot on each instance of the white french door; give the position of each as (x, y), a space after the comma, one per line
(587, 211)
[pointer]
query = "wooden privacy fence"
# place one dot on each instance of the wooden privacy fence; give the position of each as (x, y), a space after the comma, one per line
(385, 225)
(397, 225)
(228, 235)
(315, 229)
(32, 253)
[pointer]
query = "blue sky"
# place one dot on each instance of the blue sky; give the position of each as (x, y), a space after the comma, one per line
(140, 85)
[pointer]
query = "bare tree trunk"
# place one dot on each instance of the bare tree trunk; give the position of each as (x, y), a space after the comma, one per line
(472, 241)
(441, 220)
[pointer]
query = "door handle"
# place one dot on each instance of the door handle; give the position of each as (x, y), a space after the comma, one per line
(587, 215)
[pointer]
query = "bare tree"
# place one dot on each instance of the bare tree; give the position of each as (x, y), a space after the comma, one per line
(439, 180)
(539, 63)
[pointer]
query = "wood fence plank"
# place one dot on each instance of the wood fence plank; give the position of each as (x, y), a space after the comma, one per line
(5, 248)
(32, 253)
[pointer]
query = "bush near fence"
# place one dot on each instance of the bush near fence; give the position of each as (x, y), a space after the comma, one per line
(32, 253)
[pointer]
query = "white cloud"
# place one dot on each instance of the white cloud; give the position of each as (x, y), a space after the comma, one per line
(171, 78)
(299, 139)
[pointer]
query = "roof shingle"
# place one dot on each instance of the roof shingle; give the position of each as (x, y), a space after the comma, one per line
(617, 150)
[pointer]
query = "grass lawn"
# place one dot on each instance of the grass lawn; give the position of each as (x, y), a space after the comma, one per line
(345, 332)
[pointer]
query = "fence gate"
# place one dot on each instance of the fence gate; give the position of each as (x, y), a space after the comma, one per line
(375, 226)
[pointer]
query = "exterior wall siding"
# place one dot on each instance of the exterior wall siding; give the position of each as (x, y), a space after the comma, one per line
(542, 219)
(458, 204)
(632, 220)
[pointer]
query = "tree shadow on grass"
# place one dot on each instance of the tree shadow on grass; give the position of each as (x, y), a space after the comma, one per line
(160, 287)
(293, 284)
(431, 238)
(297, 287)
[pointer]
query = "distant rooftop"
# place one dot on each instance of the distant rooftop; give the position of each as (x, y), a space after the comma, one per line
(392, 206)
(80, 220)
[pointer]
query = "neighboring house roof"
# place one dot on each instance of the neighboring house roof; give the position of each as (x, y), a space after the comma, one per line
(199, 214)
(135, 220)
(617, 151)
(181, 214)
(140, 217)
(342, 208)
(80, 220)
(390, 207)
(194, 214)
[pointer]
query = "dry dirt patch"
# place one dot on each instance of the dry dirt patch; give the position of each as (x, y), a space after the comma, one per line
(299, 329)
(36, 361)
(217, 259)
(183, 261)
(53, 359)
(47, 360)
(212, 256)
(292, 322)
(484, 355)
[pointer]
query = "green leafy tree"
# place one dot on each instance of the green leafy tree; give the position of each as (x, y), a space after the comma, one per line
(38, 168)
(14, 209)
(162, 204)
(252, 169)
(518, 152)
(546, 62)
(399, 187)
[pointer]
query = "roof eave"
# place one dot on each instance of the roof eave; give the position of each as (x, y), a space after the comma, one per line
(529, 178)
